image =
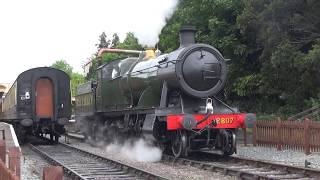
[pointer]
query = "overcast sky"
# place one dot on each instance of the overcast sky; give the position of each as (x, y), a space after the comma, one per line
(36, 33)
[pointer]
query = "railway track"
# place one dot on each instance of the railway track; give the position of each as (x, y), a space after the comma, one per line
(73, 135)
(244, 168)
(80, 164)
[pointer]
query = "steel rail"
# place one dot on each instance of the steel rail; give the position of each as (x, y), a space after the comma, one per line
(264, 169)
(115, 168)
(244, 168)
(309, 172)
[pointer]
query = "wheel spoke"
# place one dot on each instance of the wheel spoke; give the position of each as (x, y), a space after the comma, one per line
(179, 144)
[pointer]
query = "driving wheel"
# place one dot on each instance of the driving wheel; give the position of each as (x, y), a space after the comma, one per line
(179, 145)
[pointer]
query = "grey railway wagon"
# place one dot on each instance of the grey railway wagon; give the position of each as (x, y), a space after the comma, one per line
(38, 102)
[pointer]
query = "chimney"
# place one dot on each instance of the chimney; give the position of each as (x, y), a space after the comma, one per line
(187, 35)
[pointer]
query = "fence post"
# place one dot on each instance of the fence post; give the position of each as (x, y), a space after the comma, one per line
(244, 130)
(14, 160)
(52, 173)
(3, 134)
(254, 134)
(3, 151)
(279, 143)
(306, 123)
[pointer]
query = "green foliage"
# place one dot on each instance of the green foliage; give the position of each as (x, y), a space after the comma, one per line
(130, 42)
(280, 35)
(311, 74)
(247, 84)
(75, 78)
(63, 66)
(273, 46)
(115, 40)
(91, 75)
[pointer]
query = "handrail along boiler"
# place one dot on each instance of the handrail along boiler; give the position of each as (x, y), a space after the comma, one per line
(168, 98)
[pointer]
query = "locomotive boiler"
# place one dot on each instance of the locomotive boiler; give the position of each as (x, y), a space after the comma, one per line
(169, 99)
(38, 103)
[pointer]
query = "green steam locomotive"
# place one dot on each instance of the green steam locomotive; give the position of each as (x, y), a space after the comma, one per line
(169, 99)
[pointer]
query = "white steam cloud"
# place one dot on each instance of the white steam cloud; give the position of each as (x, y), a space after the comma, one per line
(148, 34)
(138, 150)
(135, 149)
(69, 30)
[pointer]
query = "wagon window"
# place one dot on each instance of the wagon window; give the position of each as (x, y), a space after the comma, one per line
(111, 71)
(107, 72)
(126, 64)
(116, 71)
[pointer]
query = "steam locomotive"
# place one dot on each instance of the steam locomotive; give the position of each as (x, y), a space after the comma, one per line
(38, 103)
(169, 99)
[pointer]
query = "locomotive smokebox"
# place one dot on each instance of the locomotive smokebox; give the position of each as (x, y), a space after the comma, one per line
(187, 35)
(198, 69)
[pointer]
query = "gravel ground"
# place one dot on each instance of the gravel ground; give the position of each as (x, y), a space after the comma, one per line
(288, 157)
(168, 170)
(31, 164)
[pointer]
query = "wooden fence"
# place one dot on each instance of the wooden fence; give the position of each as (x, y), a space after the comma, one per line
(6, 174)
(13, 171)
(295, 135)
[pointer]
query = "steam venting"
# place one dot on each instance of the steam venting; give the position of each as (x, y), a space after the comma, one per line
(135, 150)
(156, 16)
(187, 35)
(119, 145)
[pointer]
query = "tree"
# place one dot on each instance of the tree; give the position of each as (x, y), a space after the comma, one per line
(273, 47)
(115, 40)
(280, 35)
(91, 75)
(216, 23)
(130, 42)
(63, 65)
(75, 78)
(103, 42)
